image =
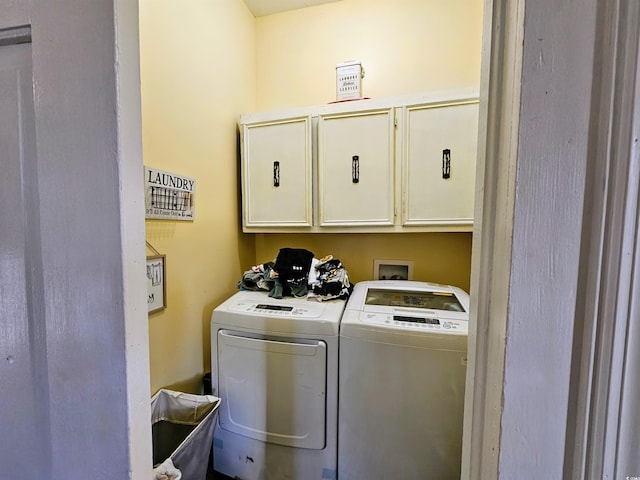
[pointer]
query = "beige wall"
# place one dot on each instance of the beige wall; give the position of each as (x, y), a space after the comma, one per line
(405, 46)
(441, 258)
(197, 74)
(203, 63)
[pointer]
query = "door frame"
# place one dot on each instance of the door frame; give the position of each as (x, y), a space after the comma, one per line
(600, 270)
(508, 426)
(91, 346)
(503, 30)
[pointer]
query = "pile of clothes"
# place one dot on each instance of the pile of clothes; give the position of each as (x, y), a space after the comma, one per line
(296, 272)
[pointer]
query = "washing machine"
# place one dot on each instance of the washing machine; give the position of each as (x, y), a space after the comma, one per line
(403, 356)
(275, 368)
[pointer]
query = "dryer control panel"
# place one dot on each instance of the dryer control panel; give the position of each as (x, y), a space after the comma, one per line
(277, 309)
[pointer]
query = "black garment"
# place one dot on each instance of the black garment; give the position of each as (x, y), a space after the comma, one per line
(292, 266)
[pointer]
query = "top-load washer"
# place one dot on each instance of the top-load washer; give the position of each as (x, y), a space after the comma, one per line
(275, 368)
(403, 348)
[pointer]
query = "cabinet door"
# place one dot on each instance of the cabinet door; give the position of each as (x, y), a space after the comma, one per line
(439, 145)
(355, 168)
(277, 164)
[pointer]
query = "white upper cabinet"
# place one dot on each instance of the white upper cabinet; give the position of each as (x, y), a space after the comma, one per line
(276, 173)
(439, 163)
(403, 164)
(356, 168)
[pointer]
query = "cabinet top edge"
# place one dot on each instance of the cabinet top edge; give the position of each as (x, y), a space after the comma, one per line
(435, 97)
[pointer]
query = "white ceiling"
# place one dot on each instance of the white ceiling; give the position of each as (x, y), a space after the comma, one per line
(260, 8)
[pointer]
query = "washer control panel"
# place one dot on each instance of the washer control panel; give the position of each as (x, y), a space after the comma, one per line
(421, 322)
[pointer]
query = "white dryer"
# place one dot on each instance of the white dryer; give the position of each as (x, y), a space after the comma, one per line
(403, 349)
(275, 367)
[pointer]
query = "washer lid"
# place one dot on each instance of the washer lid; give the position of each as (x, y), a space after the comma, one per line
(390, 295)
(444, 300)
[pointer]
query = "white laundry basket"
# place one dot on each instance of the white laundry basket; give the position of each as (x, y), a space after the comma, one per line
(182, 430)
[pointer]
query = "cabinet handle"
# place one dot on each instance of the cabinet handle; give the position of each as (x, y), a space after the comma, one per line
(355, 169)
(276, 174)
(446, 163)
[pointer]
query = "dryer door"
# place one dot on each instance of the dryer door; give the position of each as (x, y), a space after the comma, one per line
(273, 390)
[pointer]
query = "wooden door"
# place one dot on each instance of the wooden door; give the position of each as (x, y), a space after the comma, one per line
(73, 326)
(22, 349)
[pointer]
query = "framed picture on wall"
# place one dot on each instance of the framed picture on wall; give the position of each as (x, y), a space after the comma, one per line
(392, 269)
(156, 286)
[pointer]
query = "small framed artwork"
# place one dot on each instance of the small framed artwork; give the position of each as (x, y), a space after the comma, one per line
(156, 286)
(392, 269)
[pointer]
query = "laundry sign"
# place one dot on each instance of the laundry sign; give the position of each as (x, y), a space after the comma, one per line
(168, 196)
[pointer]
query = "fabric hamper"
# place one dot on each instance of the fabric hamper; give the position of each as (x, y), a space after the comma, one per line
(182, 427)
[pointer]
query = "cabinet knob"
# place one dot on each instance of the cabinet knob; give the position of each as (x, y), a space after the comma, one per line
(355, 169)
(276, 174)
(446, 163)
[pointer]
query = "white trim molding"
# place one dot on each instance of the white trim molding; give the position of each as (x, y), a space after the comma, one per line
(602, 436)
(491, 255)
(552, 387)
